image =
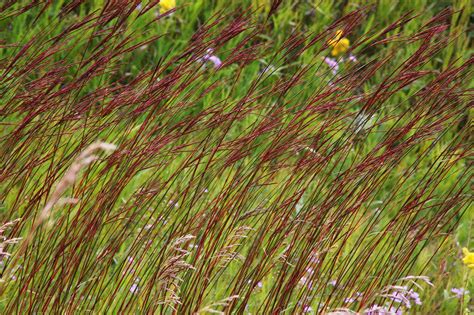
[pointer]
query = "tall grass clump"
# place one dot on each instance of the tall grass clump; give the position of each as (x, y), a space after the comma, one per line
(162, 159)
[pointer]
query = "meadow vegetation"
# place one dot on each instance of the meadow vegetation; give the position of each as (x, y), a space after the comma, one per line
(254, 156)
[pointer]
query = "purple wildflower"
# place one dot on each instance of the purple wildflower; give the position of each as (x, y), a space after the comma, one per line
(404, 296)
(415, 297)
(216, 61)
(400, 298)
(134, 288)
(352, 58)
(212, 58)
(460, 292)
(305, 281)
(332, 63)
(307, 309)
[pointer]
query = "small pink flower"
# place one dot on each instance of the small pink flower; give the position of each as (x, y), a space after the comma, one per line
(216, 61)
(460, 292)
(212, 58)
(333, 64)
(134, 288)
(307, 309)
(352, 58)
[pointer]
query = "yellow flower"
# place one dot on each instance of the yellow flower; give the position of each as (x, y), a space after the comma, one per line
(166, 5)
(339, 45)
(468, 259)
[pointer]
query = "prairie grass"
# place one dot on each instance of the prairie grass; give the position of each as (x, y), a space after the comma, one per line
(215, 158)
